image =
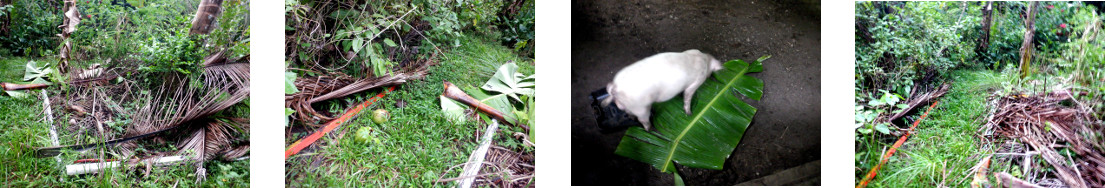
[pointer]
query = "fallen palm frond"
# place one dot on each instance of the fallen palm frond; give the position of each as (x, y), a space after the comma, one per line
(889, 153)
(919, 98)
(322, 88)
(333, 124)
(220, 86)
(1047, 125)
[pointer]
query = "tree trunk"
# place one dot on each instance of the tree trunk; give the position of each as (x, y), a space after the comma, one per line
(987, 15)
(206, 15)
(1026, 46)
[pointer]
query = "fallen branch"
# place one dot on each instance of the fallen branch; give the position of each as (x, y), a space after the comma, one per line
(918, 99)
(452, 92)
(886, 156)
(12, 87)
(303, 143)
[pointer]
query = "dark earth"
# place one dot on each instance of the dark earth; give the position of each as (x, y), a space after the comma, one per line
(608, 35)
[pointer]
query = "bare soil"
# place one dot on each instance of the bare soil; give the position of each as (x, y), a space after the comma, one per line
(610, 34)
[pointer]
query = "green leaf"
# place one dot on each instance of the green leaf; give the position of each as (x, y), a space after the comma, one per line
(902, 106)
(453, 110)
(33, 71)
(881, 127)
(389, 42)
(289, 83)
(678, 179)
(358, 43)
(705, 138)
(508, 81)
(864, 130)
(287, 120)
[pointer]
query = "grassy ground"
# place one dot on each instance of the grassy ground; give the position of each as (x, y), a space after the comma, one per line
(25, 128)
(944, 147)
(418, 145)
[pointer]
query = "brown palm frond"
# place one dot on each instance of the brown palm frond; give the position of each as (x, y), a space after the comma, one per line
(322, 88)
(206, 15)
(219, 87)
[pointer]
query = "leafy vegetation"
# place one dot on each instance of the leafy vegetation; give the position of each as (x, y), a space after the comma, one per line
(905, 45)
(127, 48)
(419, 144)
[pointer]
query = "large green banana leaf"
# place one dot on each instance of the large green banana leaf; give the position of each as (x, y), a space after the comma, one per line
(705, 138)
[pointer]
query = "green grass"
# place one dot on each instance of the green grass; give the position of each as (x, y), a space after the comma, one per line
(944, 147)
(25, 128)
(418, 144)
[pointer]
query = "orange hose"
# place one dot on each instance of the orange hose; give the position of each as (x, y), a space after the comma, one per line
(886, 156)
(330, 126)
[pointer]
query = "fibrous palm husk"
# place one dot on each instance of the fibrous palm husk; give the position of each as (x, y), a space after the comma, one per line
(1042, 122)
(322, 88)
(206, 14)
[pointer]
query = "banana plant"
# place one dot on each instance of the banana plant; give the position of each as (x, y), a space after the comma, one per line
(705, 138)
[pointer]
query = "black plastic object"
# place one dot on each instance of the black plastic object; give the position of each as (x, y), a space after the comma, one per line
(610, 118)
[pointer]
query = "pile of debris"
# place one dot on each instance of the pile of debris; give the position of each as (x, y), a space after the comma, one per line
(1049, 123)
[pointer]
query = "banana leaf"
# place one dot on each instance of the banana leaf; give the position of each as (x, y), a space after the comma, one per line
(705, 138)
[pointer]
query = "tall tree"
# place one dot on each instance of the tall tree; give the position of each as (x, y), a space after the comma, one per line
(987, 15)
(1026, 46)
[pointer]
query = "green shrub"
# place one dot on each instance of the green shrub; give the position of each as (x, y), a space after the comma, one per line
(33, 28)
(518, 30)
(177, 52)
(910, 40)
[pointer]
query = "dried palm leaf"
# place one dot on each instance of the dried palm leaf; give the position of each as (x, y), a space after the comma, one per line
(322, 88)
(211, 139)
(220, 86)
(69, 25)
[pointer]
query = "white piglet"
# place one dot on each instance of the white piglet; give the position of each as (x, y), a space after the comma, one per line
(658, 78)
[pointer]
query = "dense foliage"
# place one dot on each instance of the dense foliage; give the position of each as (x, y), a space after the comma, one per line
(380, 35)
(904, 45)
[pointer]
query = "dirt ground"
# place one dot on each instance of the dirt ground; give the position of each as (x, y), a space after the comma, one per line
(610, 34)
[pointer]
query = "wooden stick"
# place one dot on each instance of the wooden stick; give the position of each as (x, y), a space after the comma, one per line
(452, 92)
(330, 126)
(886, 156)
(11, 86)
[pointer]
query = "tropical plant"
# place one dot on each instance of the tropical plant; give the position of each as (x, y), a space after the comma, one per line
(705, 138)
